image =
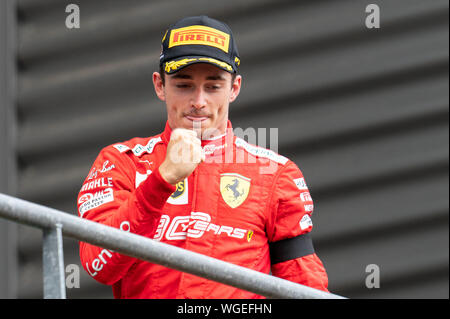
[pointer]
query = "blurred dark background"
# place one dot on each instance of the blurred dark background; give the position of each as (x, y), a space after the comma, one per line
(363, 112)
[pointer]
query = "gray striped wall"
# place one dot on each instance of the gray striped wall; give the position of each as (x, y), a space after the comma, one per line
(363, 113)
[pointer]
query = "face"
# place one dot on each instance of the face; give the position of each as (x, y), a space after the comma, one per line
(198, 97)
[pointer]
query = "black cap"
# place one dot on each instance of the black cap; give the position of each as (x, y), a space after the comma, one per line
(199, 39)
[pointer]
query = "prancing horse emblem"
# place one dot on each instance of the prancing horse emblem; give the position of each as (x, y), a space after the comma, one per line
(234, 188)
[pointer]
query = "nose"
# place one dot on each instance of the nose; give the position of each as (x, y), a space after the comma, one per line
(198, 101)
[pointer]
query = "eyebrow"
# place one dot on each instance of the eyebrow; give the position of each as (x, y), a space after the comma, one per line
(181, 76)
(216, 78)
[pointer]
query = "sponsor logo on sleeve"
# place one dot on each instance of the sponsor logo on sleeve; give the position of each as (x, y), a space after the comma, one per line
(97, 183)
(106, 167)
(305, 222)
(305, 197)
(93, 173)
(90, 201)
(105, 255)
(309, 208)
(84, 198)
(300, 183)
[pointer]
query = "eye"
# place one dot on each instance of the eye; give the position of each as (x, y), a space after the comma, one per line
(182, 86)
(213, 87)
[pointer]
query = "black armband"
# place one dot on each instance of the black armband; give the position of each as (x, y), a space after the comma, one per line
(291, 248)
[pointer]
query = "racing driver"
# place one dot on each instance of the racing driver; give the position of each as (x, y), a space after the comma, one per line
(197, 185)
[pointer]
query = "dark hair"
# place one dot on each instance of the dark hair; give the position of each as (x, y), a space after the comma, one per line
(162, 73)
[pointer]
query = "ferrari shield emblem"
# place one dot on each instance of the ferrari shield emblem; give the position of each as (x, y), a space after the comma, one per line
(234, 188)
(249, 235)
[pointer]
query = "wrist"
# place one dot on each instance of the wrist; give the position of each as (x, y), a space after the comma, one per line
(165, 174)
(153, 193)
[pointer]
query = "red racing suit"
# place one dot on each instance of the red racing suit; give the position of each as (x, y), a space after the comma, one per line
(234, 206)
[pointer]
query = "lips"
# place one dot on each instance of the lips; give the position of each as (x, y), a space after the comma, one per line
(196, 118)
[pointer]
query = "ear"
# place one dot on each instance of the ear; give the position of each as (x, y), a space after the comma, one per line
(235, 88)
(159, 86)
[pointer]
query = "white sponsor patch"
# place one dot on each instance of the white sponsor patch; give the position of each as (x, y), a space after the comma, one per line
(138, 150)
(300, 183)
(121, 148)
(90, 201)
(85, 198)
(305, 222)
(261, 151)
(180, 196)
(309, 208)
(305, 197)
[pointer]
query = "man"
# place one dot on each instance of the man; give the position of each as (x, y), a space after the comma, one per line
(196, 185)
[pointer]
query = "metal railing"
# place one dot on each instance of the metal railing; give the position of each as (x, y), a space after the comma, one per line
(56, 223)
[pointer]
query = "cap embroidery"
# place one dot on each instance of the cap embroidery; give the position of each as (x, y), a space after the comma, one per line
(220, 63)
(175, 65)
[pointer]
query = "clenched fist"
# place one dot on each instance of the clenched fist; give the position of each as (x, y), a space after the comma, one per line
(184, 153)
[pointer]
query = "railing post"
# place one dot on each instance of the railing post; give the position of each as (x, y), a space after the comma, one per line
(53, 263)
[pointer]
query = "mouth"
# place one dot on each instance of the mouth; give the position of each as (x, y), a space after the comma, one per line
(196, 118)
